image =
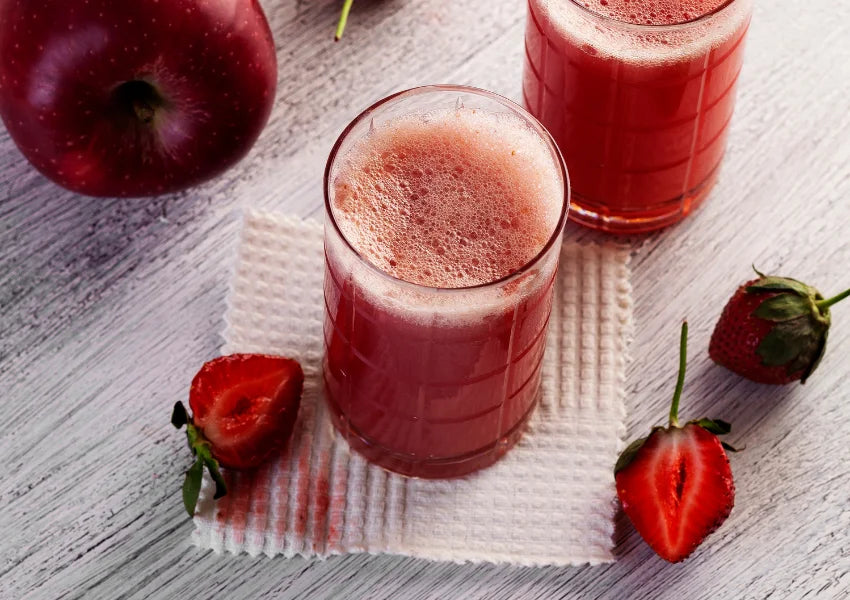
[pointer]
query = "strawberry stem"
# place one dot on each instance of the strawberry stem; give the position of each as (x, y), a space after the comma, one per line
(680, 381)
(343, 19)
(834, 300)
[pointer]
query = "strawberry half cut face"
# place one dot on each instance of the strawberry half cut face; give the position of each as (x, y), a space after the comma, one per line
(677, 489)
(676, 484)
(245, 406)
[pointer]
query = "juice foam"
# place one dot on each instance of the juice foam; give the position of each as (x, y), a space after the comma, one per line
(567, 25)
(449, 199)
(653, 12)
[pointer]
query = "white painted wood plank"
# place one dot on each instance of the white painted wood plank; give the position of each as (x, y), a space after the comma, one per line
(107, 309)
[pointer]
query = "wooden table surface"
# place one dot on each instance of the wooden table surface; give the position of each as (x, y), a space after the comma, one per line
(108, 307)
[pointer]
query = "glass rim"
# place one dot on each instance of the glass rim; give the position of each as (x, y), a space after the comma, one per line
(659, 27)
(544, 133)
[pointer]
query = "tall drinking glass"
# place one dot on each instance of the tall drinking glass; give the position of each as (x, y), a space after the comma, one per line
(639, 96)
(432, 364)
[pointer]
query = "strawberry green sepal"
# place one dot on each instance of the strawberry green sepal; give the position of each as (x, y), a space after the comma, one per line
(715, 426)
(179, 416)
(772, 283)
(797, 341)
(200, 448)
(629, 454)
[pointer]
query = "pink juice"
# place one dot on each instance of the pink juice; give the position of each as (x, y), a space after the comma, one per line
(428, 370)
(639, 95)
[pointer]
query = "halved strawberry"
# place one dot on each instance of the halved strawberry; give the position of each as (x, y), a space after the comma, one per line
(676, 485)
(244, 409)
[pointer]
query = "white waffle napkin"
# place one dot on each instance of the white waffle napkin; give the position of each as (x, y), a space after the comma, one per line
(549, 501)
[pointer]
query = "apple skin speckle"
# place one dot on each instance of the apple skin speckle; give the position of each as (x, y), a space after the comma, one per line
(59, 76)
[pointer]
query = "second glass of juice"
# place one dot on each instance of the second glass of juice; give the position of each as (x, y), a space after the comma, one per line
(445, 209)
(639, 95)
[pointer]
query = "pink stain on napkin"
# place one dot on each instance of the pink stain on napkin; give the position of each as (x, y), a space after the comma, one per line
(549, 501)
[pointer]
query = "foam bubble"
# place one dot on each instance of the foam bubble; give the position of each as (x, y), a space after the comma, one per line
(449, 199)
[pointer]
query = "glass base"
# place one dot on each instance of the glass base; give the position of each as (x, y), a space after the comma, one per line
(428, 468)
(597, 215)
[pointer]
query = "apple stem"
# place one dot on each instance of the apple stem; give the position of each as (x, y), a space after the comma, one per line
(680, 381)
(834, 300)
(343, 19)
(144, 111)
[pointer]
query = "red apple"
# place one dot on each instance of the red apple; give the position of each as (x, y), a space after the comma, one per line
(134, 97)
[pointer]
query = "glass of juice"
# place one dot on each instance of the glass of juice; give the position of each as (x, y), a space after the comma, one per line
(445, 208)
(639, 95)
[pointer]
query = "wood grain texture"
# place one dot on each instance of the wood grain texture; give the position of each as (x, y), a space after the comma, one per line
(107, 308)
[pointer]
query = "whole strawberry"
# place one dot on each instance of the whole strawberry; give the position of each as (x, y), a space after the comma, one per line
(676, 484)
(244, 410)
(773, 330)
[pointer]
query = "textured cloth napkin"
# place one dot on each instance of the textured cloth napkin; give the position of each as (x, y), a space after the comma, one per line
(549, 501)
